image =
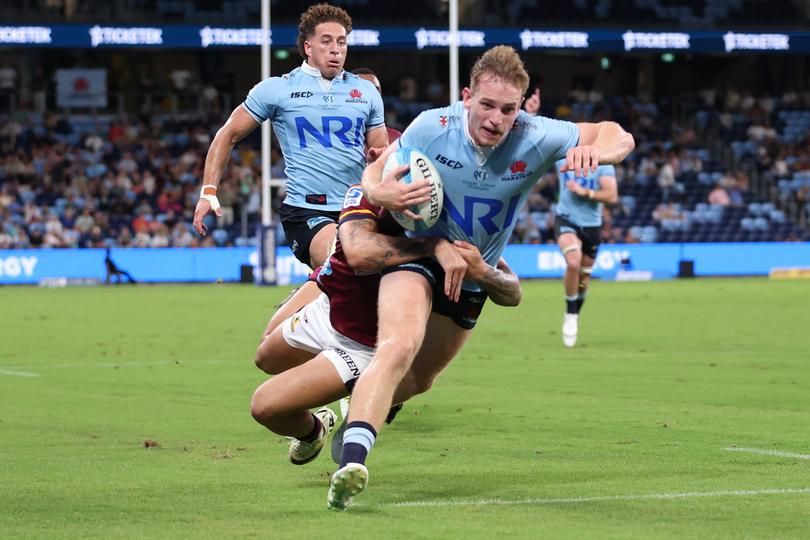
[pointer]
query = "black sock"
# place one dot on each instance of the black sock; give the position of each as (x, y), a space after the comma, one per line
(316, 430)
(580, 301)
(572, 306)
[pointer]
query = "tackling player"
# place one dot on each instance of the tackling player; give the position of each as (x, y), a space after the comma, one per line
(489, 154)
(340, 327)
(577, 229)
(323, 118)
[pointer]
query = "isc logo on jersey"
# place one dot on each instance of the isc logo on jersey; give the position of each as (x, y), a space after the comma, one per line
(420, 168)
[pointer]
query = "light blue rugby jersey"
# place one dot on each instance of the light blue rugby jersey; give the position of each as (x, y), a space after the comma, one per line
(322, 132)
(481, 202)
(581, 211)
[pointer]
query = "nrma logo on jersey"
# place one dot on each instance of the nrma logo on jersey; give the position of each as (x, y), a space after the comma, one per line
(348, 132)
(483, 210)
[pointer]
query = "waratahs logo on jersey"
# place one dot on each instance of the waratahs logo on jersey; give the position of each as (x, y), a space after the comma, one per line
(517, 171)
(355, 96)
(518, 167)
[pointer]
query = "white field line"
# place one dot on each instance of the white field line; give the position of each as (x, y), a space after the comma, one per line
(605, 498)
(117, 364)
(766, 452)
(18, 373)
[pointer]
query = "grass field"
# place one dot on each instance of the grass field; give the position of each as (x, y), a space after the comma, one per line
(626, 436)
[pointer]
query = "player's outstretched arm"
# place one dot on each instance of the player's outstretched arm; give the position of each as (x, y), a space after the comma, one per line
(239, 124)
(367, 250)
(611, 141)
(500, 282)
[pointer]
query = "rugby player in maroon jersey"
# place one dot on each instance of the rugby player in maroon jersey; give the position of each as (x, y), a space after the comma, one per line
(320, 351)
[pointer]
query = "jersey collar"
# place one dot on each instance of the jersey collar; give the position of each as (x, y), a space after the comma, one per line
(482, 153)
(326, 84)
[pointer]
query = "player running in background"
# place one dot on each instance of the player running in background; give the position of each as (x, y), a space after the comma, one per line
(309, 291)
(323, 118)
(577, 229)
(339, 328)
(489, 154)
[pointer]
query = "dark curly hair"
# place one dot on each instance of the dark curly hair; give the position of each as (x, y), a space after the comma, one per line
(317, 14)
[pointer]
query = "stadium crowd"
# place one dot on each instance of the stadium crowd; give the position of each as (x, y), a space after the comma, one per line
(84, 181)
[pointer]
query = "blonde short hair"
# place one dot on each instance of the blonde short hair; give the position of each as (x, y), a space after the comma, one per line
(502, 62)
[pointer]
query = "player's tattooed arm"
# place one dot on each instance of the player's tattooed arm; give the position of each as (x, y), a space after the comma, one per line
(367, 250)
(500, 282)
(502, 285)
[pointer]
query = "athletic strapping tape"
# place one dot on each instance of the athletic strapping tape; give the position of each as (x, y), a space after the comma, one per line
(209, 193)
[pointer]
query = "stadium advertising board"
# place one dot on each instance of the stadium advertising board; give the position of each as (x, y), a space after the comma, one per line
(418, 38)
(614, 261)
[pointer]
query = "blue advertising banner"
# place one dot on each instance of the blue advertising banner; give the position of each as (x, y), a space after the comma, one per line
(414, 38)
(615, 261)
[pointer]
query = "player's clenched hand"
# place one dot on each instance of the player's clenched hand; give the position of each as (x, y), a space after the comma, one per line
(476, 265)
(392, 194)
(202, 210)
(454, 266)
(581, 159)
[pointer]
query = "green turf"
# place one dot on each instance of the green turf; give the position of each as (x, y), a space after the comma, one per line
(666, 376)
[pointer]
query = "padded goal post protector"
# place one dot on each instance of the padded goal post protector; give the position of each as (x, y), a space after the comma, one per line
(266, 244)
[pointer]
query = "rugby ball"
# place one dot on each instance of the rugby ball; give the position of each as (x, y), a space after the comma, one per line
(421, 168)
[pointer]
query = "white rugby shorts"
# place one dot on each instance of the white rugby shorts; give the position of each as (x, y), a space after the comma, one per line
(310, 330)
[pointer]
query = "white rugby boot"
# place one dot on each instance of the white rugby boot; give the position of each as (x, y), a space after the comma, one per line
(569, 329)
(346, 483)
(303, 452)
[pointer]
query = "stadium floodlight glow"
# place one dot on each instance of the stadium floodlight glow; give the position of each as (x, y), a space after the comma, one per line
(441, 38)
(115, 35)
(230, 36)
(25, 34)
(756, 42)
(362, 37)
(655, 40)
(553, 40)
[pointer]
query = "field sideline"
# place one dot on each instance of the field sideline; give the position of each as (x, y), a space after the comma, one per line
(684, 412)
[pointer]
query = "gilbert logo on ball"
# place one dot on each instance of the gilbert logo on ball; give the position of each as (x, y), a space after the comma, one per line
(421, 169)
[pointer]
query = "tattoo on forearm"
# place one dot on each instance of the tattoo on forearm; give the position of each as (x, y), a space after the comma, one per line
(385, 251)
(502, 288)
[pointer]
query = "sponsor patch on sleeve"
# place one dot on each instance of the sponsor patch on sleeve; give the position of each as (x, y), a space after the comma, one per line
(353, 197)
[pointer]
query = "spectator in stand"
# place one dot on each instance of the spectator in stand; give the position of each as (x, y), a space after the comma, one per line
(719, 196)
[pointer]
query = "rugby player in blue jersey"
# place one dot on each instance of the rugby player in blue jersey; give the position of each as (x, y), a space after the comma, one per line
(324, 118)
(489, 154)
(577, 229)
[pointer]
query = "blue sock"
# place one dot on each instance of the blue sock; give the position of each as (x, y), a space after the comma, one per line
(357, 442)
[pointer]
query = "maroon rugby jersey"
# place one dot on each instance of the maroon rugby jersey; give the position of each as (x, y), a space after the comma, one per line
(352, 295)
